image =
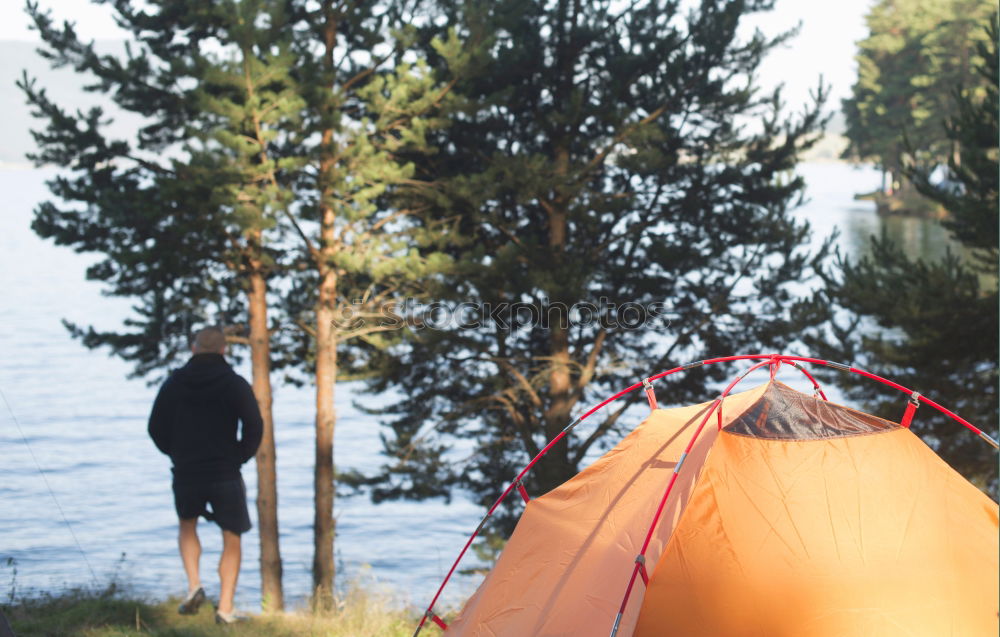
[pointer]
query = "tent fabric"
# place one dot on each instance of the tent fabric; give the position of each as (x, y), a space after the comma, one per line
(800, 517)
(860, 535)
(563, 570)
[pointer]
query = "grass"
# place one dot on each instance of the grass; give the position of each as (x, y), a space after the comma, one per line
(91, 614)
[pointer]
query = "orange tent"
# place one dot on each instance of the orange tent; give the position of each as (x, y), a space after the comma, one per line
(785, 516)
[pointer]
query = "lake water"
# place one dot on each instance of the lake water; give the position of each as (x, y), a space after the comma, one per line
(86, 426)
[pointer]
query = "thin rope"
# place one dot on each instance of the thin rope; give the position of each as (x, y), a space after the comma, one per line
(45, 479)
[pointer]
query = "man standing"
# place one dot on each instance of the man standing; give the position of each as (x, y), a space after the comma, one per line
(194, 421)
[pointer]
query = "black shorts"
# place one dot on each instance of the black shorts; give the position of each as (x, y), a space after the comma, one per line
(228, 499)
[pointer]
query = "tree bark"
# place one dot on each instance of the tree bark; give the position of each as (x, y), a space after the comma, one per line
(559, 466)
(272, 597)
(326, 352)
(326, 418)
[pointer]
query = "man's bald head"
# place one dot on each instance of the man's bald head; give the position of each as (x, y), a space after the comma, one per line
(209, 340)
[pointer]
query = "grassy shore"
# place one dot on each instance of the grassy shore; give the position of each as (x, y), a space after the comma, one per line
(88, 614)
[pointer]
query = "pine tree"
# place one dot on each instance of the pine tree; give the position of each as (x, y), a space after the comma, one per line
(180, 212)
(620, 198)
(933, 326)
(369, 104)
(971, 195)
(915, 52)
(248, 98)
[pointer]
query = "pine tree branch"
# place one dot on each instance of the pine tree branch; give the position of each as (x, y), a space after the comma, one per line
(259, 140)
(521, 380)
(366, 331)
(602, 429)
(599, 158)
(305, 327)
(520, 424)
(374, 66)
(590, 366)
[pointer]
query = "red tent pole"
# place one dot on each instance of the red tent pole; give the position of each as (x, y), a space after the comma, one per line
(788, 360)
(673, 479)
(927, 401)
(513, 485)
(805, 371)
(562, 434)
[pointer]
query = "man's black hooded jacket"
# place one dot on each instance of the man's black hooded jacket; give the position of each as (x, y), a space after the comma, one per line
(194, 420)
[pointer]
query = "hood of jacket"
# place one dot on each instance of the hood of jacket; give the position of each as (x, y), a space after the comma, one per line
(204, 373)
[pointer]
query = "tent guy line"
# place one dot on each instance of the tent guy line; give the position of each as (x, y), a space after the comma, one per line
(45, 479)
(774, 361)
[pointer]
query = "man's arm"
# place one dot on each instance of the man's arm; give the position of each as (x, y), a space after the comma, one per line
(159, 420)
(253, 424)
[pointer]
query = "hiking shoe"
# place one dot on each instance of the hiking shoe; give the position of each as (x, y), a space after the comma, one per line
(192, 602)
(234, 617)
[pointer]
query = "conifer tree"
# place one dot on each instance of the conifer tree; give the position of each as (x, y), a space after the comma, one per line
(916, 51)
(620, 194)
(247, 99)
(369, 104)
(933, 325)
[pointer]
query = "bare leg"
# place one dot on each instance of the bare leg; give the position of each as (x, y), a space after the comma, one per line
(229, 570)
(190, 552)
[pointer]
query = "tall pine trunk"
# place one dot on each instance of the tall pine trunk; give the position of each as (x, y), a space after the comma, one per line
(326, 418)
(326, 352)
(561, 401)
(272, 597)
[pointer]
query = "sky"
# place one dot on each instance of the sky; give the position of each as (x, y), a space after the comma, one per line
(824, 46)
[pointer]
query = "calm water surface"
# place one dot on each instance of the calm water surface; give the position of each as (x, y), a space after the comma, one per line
(85, 423)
